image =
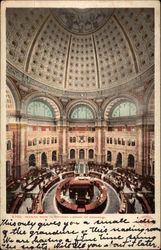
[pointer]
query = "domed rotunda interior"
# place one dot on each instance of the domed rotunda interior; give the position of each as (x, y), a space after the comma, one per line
(80, 110)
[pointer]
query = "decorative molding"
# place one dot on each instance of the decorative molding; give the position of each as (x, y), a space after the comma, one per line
(134, 83)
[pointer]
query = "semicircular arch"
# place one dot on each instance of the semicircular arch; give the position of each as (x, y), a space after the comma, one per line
(15, 94)
(48, 99)
(109, 105)
(75, 104)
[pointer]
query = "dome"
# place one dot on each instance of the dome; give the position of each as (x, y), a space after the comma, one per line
(80, 50)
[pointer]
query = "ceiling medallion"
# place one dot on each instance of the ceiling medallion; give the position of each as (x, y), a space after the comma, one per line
(82, 21)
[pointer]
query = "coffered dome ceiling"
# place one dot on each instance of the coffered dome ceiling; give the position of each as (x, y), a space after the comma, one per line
(80, 49)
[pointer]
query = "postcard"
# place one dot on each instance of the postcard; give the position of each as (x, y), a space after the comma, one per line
(80, 125)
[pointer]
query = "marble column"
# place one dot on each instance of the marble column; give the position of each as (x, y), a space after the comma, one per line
(38, 159)
(140, 149)
(23, 149)
(60, 134)
(64, 144)
(87, 155)
(99, 155)
(77, 154)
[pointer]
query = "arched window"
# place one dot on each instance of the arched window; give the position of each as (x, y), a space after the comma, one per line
(39, 108)
(54, 158)
(119, 160)
(131, 161)
(48, 140)
(43, 159)
(129, 142)
(119, 141)
(91, 154)
(32, 160)
(124, 109)
(81, 154)
(82, 112)
(72, 154)
(8, 145)
(123, 141)
(109, 156)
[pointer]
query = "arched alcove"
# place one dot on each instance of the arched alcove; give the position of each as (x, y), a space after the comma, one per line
(32, 160)
(43, 159)
(131, 161)
(109, 156)
(72, 154)
(81, 154)
(119, 160)
(91, 154)
(54, 156)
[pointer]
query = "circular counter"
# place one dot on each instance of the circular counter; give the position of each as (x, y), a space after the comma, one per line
(72, 206)
(50, 204)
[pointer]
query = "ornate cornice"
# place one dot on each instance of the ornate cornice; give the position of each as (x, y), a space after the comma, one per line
(27, 81)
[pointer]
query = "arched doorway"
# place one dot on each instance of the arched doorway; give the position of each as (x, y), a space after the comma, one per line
(81, 154)
(72, 154)
(109, 156)
(43, 159)
(131, 161)
(7, 169)
(54, 155)
(119, 160)
(32, 161)
(91, 154)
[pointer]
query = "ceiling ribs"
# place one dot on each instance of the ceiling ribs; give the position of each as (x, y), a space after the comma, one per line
(129, 43)
(97, 69)
(28, 57)
(67, 62)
